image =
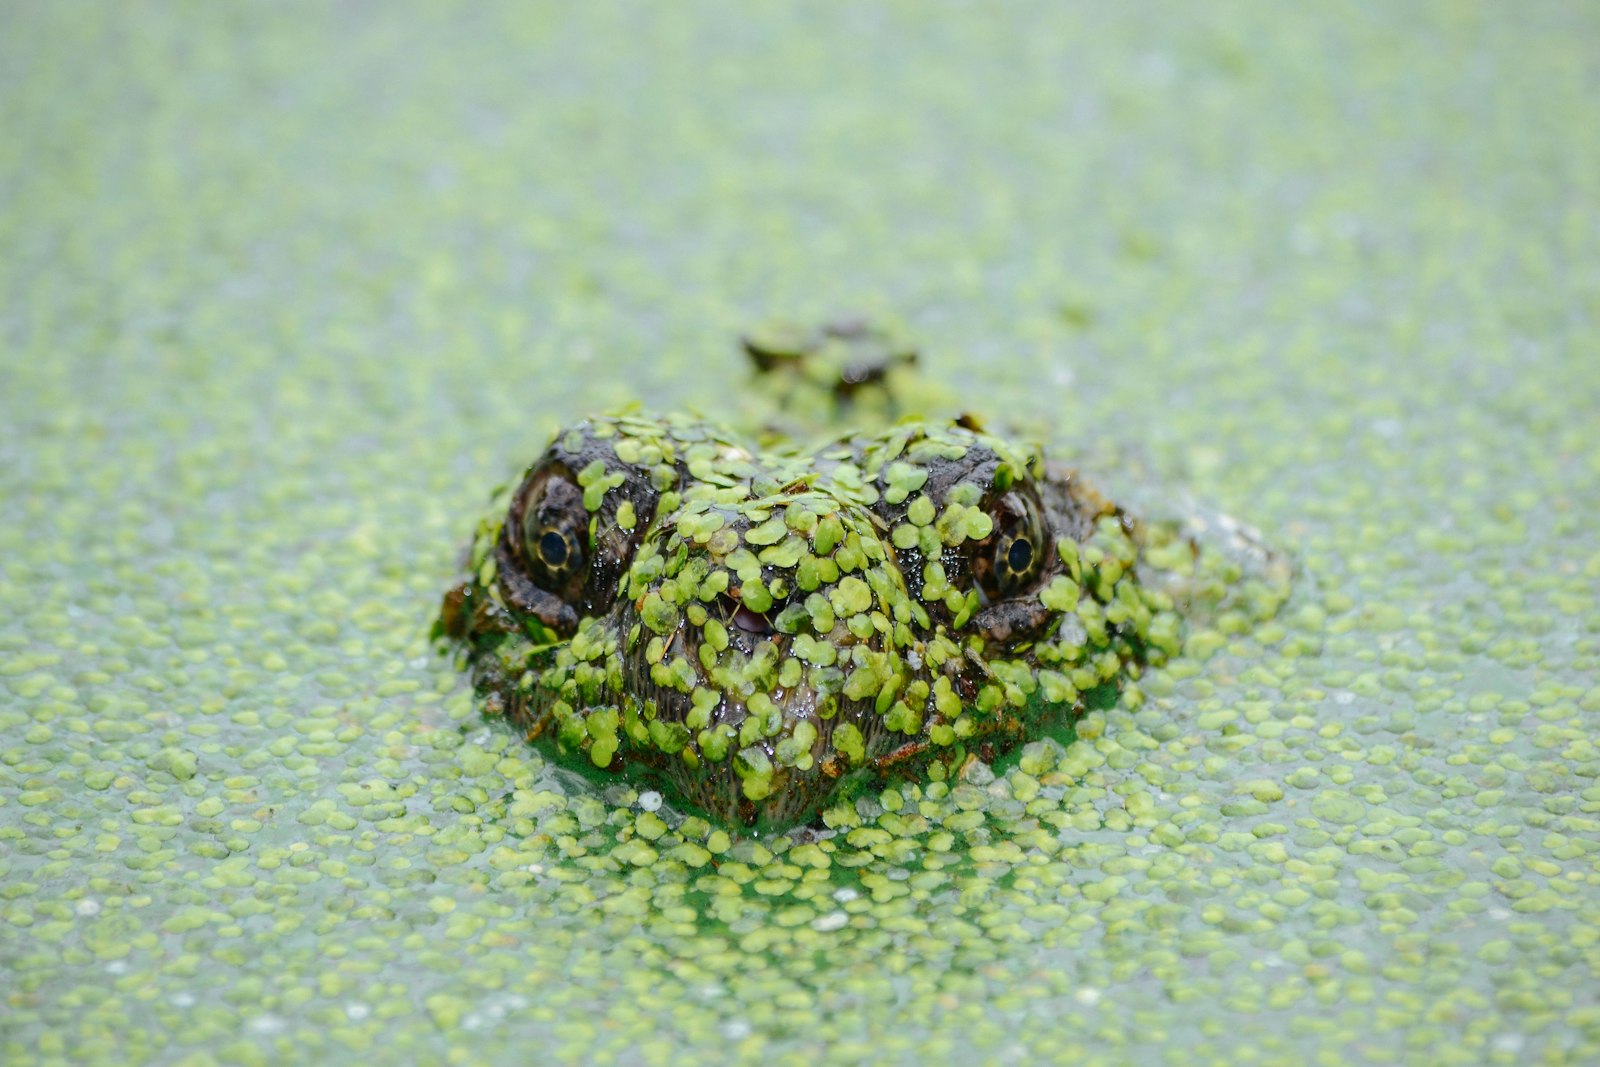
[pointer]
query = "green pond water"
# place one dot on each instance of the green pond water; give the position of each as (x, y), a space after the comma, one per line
(285, 290)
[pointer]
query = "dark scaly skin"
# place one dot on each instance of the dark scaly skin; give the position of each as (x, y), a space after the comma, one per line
(757, 628)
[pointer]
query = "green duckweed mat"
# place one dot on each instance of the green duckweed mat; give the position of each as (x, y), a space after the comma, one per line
(285, 290)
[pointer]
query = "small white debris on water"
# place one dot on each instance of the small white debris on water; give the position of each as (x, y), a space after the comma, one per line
(834, 920)
(650, 800)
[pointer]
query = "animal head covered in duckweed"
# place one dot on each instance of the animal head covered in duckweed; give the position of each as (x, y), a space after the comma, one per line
(757, 630)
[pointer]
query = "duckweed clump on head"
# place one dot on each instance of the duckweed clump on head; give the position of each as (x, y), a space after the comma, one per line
(757, 628)
(852, 370)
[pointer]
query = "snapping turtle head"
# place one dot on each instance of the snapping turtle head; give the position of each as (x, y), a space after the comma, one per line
(755, 629)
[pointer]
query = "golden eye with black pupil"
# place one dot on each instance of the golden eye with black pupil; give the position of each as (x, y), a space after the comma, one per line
(1011, 562)
(554, 552)
(1019, 555)
(555, 528)
(554, 548)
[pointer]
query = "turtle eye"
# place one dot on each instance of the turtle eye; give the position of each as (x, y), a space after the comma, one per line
(555, 532)
(1015, 560)
(557, 549)
(1016, 554)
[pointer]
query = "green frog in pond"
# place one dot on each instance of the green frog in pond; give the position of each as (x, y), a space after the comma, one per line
(762, 623)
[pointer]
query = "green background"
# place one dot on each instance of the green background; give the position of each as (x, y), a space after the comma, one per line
(285, 290)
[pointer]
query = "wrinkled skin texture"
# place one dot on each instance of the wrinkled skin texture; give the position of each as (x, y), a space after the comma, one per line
(757, 629)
